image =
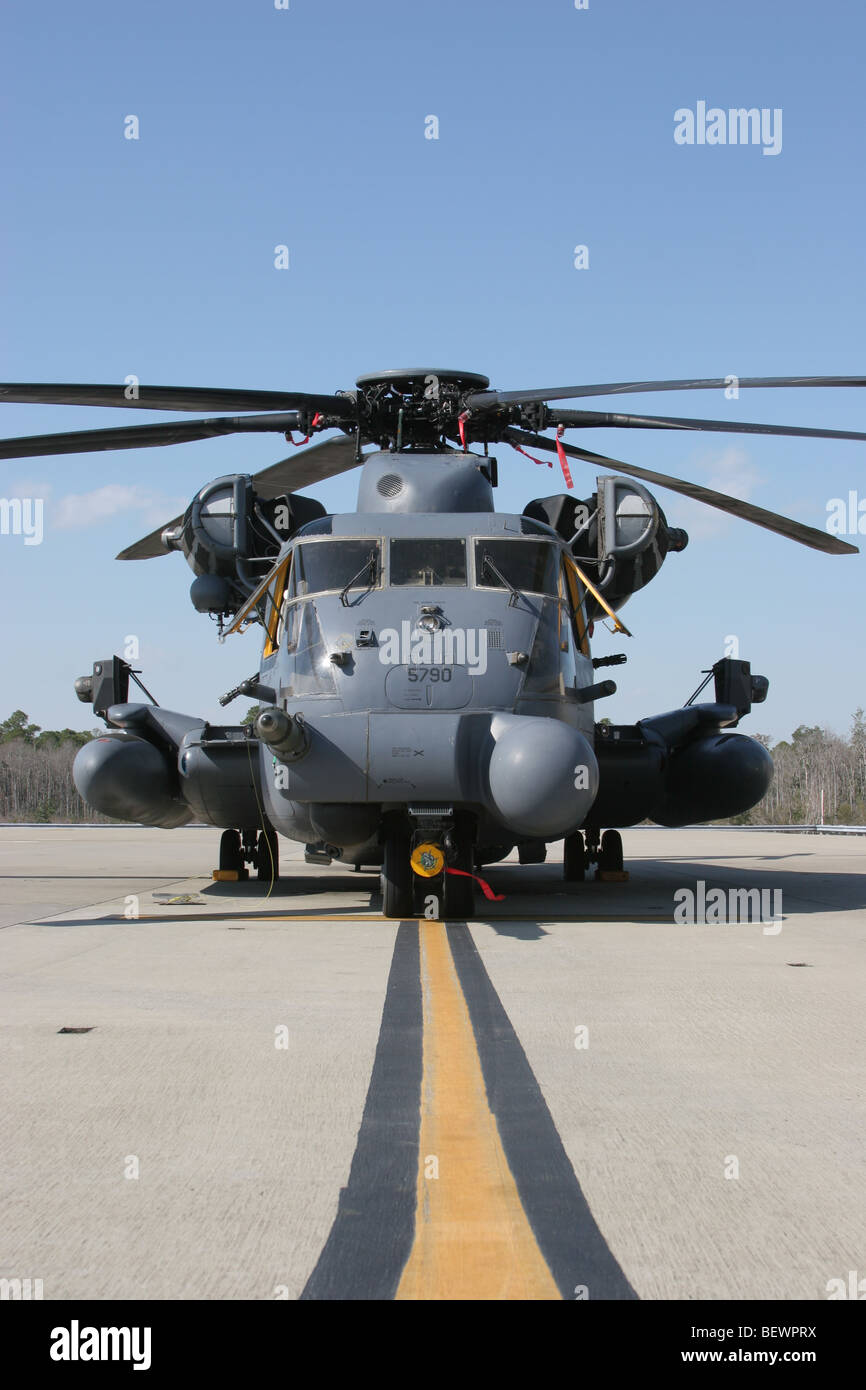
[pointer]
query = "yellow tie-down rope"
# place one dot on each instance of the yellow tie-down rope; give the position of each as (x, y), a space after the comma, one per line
(244, 615)
(618, 626)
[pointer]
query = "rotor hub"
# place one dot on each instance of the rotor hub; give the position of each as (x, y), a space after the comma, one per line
(407, 380)
(415, 407)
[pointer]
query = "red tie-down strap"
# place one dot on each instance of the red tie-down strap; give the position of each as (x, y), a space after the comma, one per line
(461, 425)
(485, 887)
(296, 443)
(566, 471)
(542, 463)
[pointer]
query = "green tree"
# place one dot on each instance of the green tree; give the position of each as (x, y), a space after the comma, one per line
(18, 726)
(53, 738)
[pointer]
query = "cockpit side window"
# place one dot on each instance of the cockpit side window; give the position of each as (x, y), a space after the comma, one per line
(427, 563)
(573, 588)
(274, 606)
(285, 607)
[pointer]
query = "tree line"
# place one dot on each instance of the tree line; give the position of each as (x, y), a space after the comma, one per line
(36, 772)
(818, 776)
(813, 768)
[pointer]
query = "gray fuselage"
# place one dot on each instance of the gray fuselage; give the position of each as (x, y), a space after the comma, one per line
(427, 681)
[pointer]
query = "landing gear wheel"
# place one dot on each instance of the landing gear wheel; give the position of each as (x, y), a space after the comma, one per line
(610, 858)
(231, 853)
(573, 858)
(268, 855)
(458, 893)
(396, 876)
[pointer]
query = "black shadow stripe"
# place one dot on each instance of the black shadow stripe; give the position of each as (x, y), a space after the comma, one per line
(568, 1237)
(374, 1229)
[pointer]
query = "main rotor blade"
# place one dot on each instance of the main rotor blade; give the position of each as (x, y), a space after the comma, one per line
(146, 436)
(314, 465)
(310, 466)
(771, 521)
(589, 419)
(149, 547)
(479, 400)
(192, 398)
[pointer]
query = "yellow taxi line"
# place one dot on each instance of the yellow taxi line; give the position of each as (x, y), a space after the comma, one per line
(472, 1237)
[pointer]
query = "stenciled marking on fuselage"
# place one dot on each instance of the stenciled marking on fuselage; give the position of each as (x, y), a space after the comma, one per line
(450, 646)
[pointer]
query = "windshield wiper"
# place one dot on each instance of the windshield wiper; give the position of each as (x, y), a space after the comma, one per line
(369, 568)
(487, 564)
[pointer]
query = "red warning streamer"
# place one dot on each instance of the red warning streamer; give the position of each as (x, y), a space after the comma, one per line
(542, 463)
(566, 471)
(485, 887)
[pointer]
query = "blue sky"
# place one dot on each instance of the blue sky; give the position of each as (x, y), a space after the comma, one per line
(305, 127)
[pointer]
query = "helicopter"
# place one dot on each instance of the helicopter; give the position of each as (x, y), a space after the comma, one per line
(426, 688)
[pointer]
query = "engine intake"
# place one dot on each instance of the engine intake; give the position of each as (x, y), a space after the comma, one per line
(622, 530)
(230, 536)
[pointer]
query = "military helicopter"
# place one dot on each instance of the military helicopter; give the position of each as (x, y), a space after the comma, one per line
(426, 686)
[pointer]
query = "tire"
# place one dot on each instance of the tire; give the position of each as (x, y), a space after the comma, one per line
(573, 858)
(396, 876)
(458, 894)
(610, 856)
(268, 855)
(231, 852)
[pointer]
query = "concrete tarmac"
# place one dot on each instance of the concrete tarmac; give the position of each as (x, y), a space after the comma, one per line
(578, 1094)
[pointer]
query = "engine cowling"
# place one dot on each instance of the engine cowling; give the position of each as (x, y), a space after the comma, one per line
(622, 533)
(230, 536)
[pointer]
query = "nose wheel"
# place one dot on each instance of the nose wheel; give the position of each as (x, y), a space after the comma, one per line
(458, 893)
(574, 858)
(396, 875)
(406, 891)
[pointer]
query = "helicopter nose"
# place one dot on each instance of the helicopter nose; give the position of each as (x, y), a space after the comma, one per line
(543, 776)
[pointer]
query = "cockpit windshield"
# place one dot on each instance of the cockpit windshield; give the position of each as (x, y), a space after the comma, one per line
(526, 566)
(326, 565)
(424, 562)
